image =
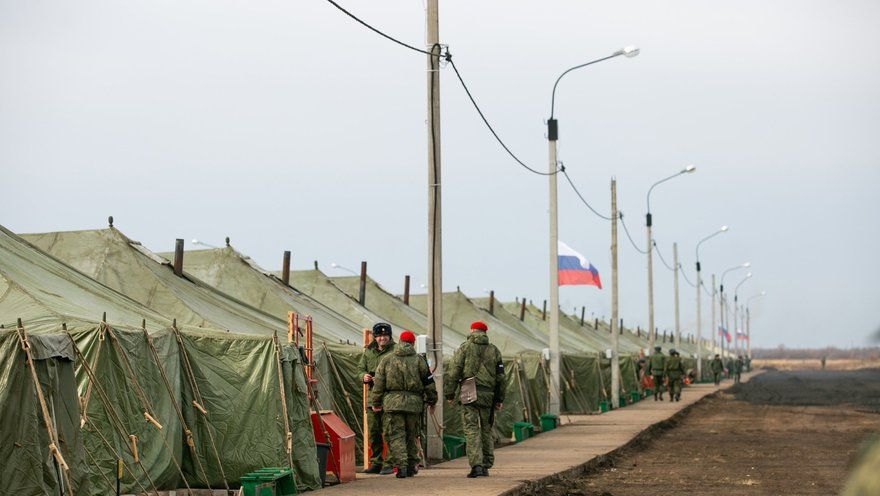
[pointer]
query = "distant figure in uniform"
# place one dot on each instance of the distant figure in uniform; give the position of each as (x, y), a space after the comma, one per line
(656, 368)
(729, 365)
(477, 361)
(823, 362)
(381, 346)
(717, 368)
(674, 370)
(403, 385)
(748, 360)
(737, 369)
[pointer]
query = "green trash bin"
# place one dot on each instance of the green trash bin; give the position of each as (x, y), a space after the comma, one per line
(549, 422)
(603, 406)
(454, 447)
(635, 396)
(523, 431)
(269, 481)
(622, 401)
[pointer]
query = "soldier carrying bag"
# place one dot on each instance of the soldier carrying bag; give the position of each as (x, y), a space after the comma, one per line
(468, 393)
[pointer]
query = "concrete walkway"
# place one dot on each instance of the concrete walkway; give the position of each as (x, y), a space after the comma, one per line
(581, 439)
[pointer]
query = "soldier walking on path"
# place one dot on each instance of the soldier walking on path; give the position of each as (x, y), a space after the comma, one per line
(737, 369)
(717, 367)
(476, 380)
(656, 368)
(403, 385)
(381, 346)
(674, 370)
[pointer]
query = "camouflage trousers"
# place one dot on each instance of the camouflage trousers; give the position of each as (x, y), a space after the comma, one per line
(401, 432)
(717, 377)
(674, 387)
(374, 423)
(658, 385)
(478, 435)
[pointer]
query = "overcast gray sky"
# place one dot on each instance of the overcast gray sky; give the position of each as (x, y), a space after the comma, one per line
(285, 125)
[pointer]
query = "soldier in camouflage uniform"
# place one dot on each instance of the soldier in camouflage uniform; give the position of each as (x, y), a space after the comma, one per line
(737, 369)
(381, 346)
(481, 360)
(717, 367)
(674, 370)
(403, 385)
(656, 368)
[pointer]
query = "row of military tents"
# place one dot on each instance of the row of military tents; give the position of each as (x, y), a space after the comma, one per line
(108, 353)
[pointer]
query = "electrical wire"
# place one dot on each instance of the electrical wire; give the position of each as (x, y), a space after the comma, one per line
(633, 243)
(578, 193)
(684, 274)
(492, 130)
(657, 251)
(448, 58)
(380, 33)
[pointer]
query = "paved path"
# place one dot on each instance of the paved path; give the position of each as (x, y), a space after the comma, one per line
(580, 439)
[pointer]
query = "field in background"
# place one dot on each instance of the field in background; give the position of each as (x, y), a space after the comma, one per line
(815, 364)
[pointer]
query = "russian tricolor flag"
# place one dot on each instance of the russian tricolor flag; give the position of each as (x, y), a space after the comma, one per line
(722, 331)
(575, 270)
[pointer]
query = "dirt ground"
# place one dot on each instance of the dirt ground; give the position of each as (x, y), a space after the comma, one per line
(783, 432)
(814, 364)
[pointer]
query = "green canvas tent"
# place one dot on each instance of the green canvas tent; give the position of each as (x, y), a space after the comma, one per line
(99, 378)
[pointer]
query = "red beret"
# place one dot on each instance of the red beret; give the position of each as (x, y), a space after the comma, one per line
(408, 336)
(479, 326)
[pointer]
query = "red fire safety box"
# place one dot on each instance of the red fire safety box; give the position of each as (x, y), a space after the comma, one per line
(342, 444)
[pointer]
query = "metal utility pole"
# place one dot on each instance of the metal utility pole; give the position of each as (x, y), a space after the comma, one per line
(615, 338)
(435, 265)
(677, 320)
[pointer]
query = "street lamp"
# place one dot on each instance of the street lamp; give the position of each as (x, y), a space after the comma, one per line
(699, 310)
(687, 170)
(552, 137)
(749, 323)
(725, 319)
(737, 342)
(340, 267)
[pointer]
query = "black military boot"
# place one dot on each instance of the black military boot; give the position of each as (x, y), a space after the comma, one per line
(476, 471)
(485, 472)
(373, 469)
(412, 470)
(401, 473)
(386, 470)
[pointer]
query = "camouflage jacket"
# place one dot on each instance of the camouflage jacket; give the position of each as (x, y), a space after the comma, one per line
(657, 363)
(477, 358)
(403, 382)
(738, 366)
(674, 368)
(716, 365)
(372, 355)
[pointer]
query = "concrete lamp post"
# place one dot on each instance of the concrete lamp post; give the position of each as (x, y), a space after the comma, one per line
(723, 229)
(648, 223)
(553, 168)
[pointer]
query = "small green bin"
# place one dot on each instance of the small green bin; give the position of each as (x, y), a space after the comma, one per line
(523, 431)
(635, 396)
(649, 392)
(622, 401)
(603, 406)
(269, 481)
(549, 422)
(454, 446)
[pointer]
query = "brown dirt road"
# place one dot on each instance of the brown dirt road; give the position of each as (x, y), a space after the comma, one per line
(780, 433)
